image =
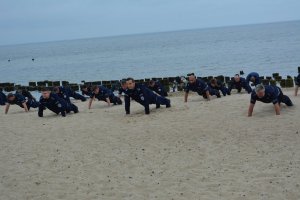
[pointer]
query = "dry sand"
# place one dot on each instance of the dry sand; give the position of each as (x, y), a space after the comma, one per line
(199, 150)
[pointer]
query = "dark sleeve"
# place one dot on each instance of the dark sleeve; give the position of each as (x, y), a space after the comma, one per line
(253, 98)
(106, 95)
(70, 92)
(248, 78)
(120, 91)
(60, 101)
(274, 96)
(61, 104)
(298, 80)
(21, 98)
(28, 94)
(2, 98)
(187, 88)
(160, 87)
(204, 86)
(106, 92)
(247, 87)
(127, 104)
(146, 105)
(41, 109)
(76, 95)
(147, 94)
(230, 86)
(257, 81)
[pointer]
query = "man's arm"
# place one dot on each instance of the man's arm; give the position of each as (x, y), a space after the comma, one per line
(25, 106)
(250, 110)
(277, 109)
(41, 110)
(186, 94)
(248, 79)
(248, 88)
(146, 105)
(7, 108)
(147, 94)
(207, 95)
(296, 90)
(230, 86)
(127, 104)
(76, 95)
(108, 101)
(90, 102)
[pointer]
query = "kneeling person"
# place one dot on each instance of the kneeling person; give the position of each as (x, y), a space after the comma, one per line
(268, 94)
(144, 96)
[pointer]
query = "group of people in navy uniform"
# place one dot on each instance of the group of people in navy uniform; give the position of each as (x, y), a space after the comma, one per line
(265, 94)
(58, 100)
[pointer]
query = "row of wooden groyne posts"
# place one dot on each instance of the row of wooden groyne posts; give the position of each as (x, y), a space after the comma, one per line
(167, 82)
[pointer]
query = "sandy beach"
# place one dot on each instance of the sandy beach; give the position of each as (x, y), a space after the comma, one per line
(198, 150)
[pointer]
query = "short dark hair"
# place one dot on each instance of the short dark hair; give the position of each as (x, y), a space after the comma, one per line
(94, 87)
(56, 89)
(213, 81)
(192, 75)
(151, 82)
(236, 75)
(130, 79)
(84, 86)
(123, 81)
(45, 89)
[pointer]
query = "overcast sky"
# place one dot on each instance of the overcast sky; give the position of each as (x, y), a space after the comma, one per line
(24, 21)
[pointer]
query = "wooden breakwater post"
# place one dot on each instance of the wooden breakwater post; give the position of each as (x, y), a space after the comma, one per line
(167, 82)
(289, 82)
(265, 81)
(8, 87)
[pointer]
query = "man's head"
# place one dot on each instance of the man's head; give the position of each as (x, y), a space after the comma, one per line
(130, 83)
(84, 88)
(96, 89)
(237, 78)
(11, 97)
(151, 83)
(192, 79)
(56, 90)
(123, 84)
(213, 82)
(46, 93)
(260, 90)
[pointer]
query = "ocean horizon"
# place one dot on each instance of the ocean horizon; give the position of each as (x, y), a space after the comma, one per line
(264, 48)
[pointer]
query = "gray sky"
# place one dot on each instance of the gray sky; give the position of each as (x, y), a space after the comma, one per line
(24, 21)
